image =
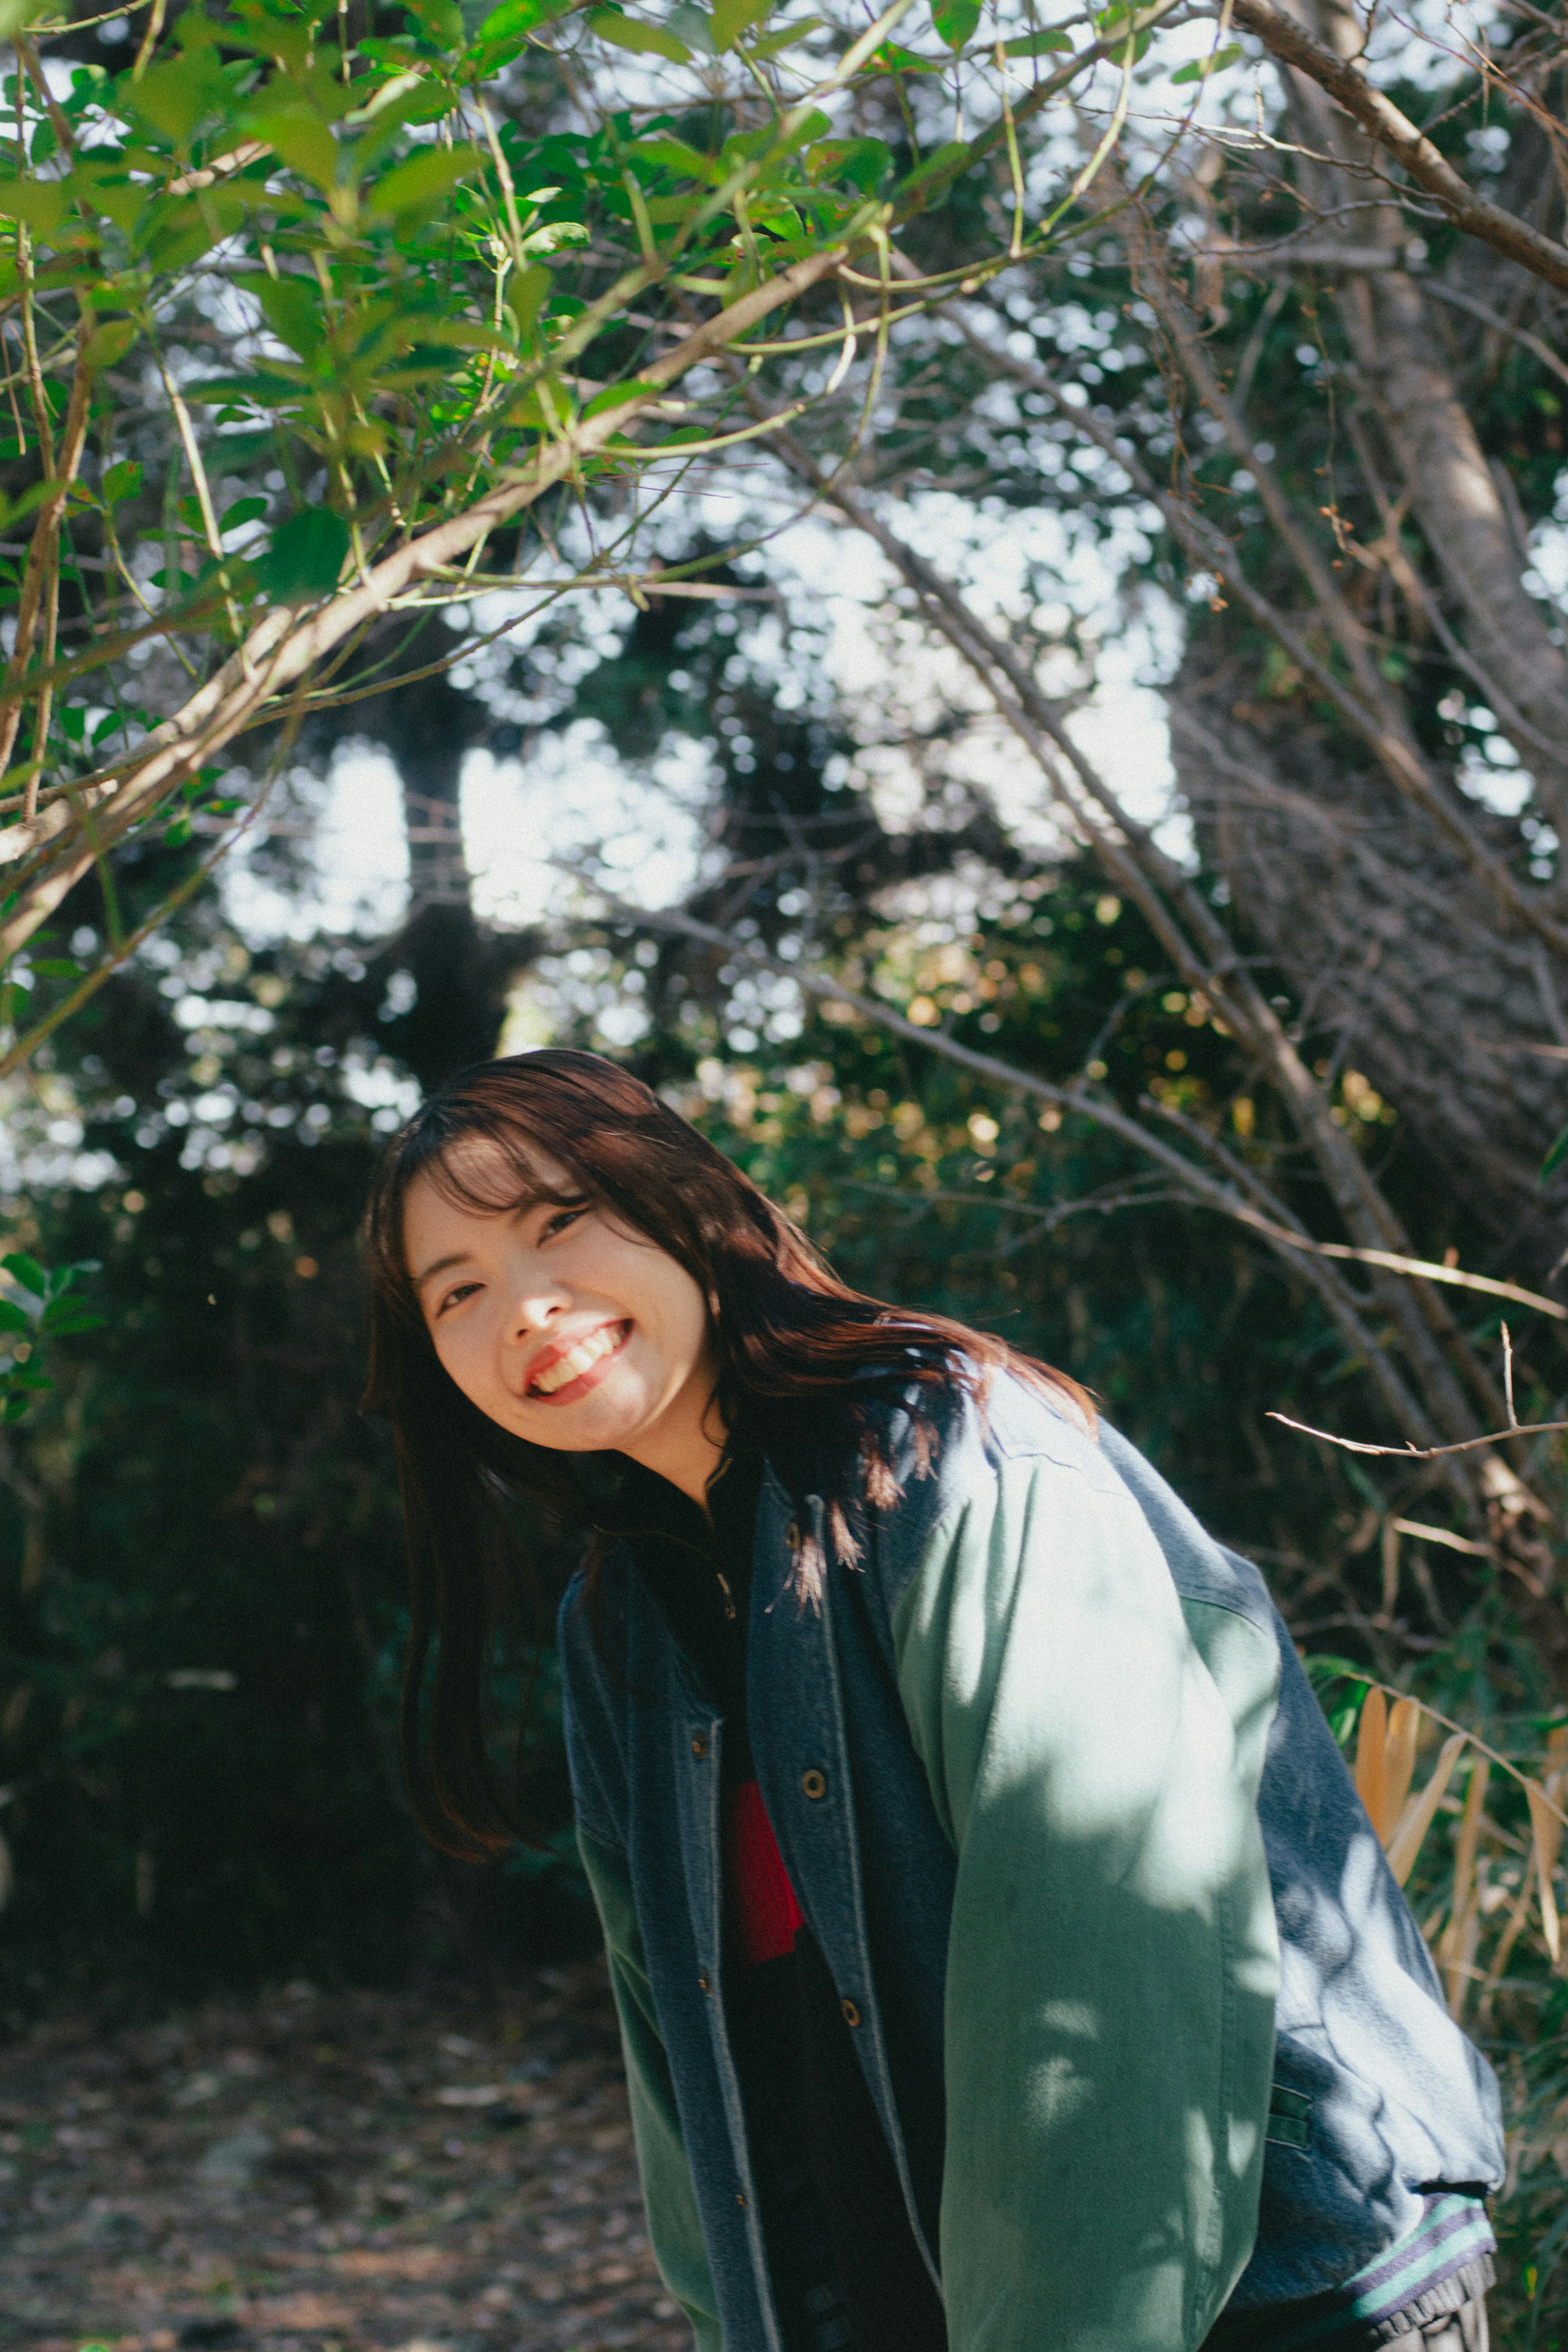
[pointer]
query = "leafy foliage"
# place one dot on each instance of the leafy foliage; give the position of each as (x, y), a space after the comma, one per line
(201, 1551)
(34, 1310)
(425, 288)
(312, 345)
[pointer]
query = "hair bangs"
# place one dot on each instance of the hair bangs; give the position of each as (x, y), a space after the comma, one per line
(489, 1168)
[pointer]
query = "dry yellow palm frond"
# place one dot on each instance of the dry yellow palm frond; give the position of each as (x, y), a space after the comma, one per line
(1371, 1740)
(1398, 1762)
(1405, 1843)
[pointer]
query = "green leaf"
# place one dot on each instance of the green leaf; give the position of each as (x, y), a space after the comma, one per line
(57, 968)
(900, 60)
(60, 1321)
(27, 1272)
(861, 161)
(733, 18)
(289, 39)
(1034, 45)
(243, 510)
(615, 395)
(12, 510)
(944, 159)
(515, 19)
(123, 481)
(424, 179)
(1556, 1157)
(676, 156)
(441, 19)
(301, 140)
(456, 334)
(13, 1318)
(117, 196)
(174, 97)
(694, 26)
(785, 37)
(528, 292)
(173, 231)
(42, 204)
(631, 33)
(292, 309)
(1323, 1667)
(235, 451)
(63, 1279)
(956, 20)
(110, 343)
(1201, 67)
(15, 15)
(306, 557)
(266, 388)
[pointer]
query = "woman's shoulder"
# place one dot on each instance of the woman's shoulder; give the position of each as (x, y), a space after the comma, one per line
(940, 1440)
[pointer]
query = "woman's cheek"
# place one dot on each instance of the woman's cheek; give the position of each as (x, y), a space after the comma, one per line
(458, 1359)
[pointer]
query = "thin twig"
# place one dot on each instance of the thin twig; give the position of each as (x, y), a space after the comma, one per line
(1533, 343)
(1422, 1452)
(1377, 114)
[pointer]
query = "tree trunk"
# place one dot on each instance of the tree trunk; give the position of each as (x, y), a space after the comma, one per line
(1458, 1018)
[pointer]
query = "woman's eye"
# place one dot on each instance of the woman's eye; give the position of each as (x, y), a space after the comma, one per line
(562, 1219)
(455, 1296)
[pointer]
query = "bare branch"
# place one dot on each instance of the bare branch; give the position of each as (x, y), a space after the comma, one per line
(1422, 1452)
(1378, 116)
(288, 644)
(1439, 292)
(1204, 1190)
(1202, 951)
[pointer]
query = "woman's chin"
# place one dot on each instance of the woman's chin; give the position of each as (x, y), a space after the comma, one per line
(596, 1423)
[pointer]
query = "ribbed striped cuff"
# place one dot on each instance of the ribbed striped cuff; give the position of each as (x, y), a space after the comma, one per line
(1453, 2230)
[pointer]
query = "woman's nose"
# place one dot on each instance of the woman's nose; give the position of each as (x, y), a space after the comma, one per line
(537, 1305)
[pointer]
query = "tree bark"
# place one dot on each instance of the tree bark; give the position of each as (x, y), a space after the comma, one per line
(1455, 1014)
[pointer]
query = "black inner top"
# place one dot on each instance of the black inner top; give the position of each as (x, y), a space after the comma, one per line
(847, 2273)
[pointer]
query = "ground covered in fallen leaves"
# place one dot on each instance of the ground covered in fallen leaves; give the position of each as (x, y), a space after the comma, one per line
(356, 2172)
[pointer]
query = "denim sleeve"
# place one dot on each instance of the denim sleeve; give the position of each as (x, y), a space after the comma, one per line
(1113, 1963)
(674, 2228)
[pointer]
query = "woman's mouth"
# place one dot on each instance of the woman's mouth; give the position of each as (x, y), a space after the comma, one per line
(567, 1377)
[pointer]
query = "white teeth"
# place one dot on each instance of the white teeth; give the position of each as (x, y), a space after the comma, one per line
(571, 1367)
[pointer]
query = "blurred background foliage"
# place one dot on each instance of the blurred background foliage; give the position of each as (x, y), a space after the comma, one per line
(199, 1534)
(201, 1610)
(201, 1538)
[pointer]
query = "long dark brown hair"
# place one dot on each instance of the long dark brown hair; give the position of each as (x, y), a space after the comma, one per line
(788, 1336)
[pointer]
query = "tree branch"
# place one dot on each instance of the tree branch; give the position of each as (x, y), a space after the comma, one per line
(1378, 116)
(1202, 1189)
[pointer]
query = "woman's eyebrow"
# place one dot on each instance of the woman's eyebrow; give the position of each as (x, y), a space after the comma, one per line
(439, 1266)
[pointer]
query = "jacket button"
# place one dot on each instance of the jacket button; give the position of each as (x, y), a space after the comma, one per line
(852, 2014)
(699, 1746)
(815, 1784)
(740, 2198)
(793, 1535)
(703, 1981)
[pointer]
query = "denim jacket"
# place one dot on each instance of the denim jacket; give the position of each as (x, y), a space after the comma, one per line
(1149, 2025)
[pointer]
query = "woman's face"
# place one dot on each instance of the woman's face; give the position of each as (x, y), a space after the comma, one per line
(563, 1327)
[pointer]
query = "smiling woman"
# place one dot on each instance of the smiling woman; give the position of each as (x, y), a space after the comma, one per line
(562, 1324)
(1003, 1957)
